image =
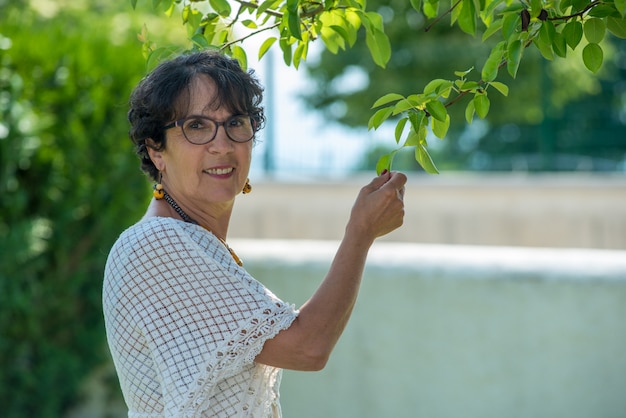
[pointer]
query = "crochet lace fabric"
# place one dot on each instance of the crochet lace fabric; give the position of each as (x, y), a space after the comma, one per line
(184, 323)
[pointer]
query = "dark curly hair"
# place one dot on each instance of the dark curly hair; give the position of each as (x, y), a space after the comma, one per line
(160, 97)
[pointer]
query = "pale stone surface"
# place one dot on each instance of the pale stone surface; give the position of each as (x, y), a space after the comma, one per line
(579, 211)
(462, 331)
(447, 331)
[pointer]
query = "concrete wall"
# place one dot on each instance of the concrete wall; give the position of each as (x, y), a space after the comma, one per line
(453, 331)
(449, 331)
(565, 211)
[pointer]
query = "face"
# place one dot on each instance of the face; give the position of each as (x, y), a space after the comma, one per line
(212, 173)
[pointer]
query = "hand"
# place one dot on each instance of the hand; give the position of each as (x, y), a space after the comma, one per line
(379, 207)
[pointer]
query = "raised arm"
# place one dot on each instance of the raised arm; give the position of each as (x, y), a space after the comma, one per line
(308, 342)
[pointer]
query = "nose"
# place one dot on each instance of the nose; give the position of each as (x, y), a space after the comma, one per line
(221, 143)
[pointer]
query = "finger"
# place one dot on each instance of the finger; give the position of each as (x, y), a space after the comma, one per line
(400, 193)
(380, 180)
(396, 181)
(399, 179)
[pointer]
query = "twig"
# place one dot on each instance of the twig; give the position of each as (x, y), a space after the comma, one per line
(434, 22)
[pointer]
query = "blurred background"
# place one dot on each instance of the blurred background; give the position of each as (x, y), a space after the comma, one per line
(504, 294)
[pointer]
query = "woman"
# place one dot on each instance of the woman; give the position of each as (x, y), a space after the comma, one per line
(190, 332)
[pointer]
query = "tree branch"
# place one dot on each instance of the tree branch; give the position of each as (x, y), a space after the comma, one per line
(256, 6)
(256, 32)
(438, 18)
(579, 14)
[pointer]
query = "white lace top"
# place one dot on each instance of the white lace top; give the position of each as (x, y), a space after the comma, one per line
(184, 323)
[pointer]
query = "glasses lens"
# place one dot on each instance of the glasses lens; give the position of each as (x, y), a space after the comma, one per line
(239, 128)
(199, 130)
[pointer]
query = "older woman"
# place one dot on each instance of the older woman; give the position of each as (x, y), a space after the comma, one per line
(191, 333)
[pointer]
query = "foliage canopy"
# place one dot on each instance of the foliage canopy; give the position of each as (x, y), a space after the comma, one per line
(554, 28)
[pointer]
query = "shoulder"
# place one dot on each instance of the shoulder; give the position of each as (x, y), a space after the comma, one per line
(152, 233)
(145, 242)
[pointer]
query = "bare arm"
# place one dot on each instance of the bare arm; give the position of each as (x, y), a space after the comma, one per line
(308, 342)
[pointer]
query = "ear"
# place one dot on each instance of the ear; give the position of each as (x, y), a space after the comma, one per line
(155, 156)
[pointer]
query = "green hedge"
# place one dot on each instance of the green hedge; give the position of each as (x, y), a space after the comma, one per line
(69, 184)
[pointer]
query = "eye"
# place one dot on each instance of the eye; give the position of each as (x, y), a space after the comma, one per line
(239, 122)
(197, 123)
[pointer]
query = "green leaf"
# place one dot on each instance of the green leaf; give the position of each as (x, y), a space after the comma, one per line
(200, 41)
(467, 17)
(595, 30)
(285, 46)
(469, 112)
(418, 120)
(462, 74)
(546, 32)
(437, 86)
(620, 5)
(375, 38)
(491, 29)
(266, 5)
(579, 5)
(481, 104)
(564, 5)
(490, 69)
(415, 138)
(604, 10)
(400, 129)
(535, 7)
(387, 98)
(469, 85)
(379, 117)
(559, 45)
(250, 24)
(501, 87)
(331, 39)
(222, 7)
(440, 128)
(592, 57)
(265, 46)
(417, 5)
(133, 4)
(342, 32)
(514, 57)
(431, 9)
(437, 110)
(510, 22)
(352, 22)
(300, 53)
(616, 26)
(240, 55)
(573, 33)
(157, 56)
(385, 161)
(185, 14)
(423, 158)
(293, 23)
(544, 48)
(402, 106)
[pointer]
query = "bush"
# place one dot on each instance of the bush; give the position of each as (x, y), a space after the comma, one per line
(69, 183)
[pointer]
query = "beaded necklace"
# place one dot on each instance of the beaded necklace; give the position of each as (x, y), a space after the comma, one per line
(188, 219)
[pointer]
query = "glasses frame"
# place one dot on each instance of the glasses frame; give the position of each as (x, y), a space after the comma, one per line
(180, 123)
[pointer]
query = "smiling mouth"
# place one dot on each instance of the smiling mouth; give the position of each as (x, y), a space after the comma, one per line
(219, 171)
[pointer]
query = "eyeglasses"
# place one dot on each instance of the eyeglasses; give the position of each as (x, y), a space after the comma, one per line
(201, 130)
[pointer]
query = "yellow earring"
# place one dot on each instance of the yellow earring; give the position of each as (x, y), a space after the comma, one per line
(157, 190)
(247, 188)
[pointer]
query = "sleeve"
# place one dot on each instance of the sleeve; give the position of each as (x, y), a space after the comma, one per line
(203, 317)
